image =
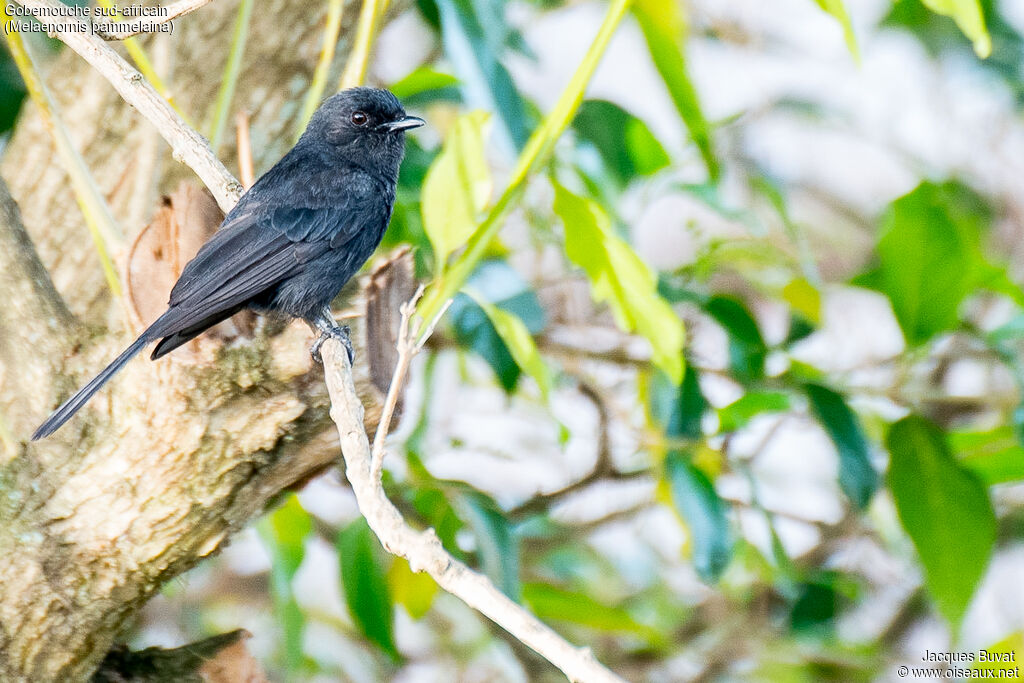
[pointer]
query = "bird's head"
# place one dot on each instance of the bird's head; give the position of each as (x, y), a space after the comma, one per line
(364, 125)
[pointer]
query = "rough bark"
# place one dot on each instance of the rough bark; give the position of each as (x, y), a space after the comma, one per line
(173, 456)
(36, 327)
(151, 477)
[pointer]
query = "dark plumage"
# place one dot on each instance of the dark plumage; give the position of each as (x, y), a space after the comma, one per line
(294, 239)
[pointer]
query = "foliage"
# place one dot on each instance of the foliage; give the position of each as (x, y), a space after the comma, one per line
(946, 511)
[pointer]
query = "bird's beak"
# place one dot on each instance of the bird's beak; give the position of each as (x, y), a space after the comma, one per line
(408, 123)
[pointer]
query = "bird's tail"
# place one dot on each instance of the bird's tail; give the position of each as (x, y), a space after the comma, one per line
(73, 404)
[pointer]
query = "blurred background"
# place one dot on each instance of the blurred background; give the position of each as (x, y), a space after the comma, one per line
(826, 198)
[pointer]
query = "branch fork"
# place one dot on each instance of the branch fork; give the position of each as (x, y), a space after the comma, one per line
(423, 549)
(410, 342)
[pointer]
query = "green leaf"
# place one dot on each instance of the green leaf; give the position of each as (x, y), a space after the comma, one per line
(930, 257)
(838, 10)
(499, 284)
(946, 511)
(474, 330)
(284, 533)
(940, 36)
(486, 83)
(968, 16)
(552, 603)
(433, 506)
(457, 187)
(407, 220)
(519, 342)
(497, 545)
(704, 513)
(857, 477)
(678, 408)
(626, 144)
(710, 195)
(996, 456)
(804, 298)
(815, 607)
(425, 85)
(366, 588)
(662, 24)
(13, 89)
(747, 349)
(619, 277)
(537, 151)
(413, 590)
(741, 411)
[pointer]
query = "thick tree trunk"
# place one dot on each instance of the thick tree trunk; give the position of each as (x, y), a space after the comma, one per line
(163, 465)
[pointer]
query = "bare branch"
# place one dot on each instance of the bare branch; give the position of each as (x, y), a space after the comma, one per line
(407, 348)
(603, 469)
(423, 550)
(188, 146)
(174, 11)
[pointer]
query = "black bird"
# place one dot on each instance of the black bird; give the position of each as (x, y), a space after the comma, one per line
(294, 239)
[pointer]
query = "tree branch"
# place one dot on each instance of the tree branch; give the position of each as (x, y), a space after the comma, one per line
(35, 325)
(423, 550)
(174, 11)
(188, 146)
(406, 351)
(603, 469)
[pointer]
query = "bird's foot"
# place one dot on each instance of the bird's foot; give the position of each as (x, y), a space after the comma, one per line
(341, 333)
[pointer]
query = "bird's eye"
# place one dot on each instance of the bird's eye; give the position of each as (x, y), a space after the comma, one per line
(360, 118)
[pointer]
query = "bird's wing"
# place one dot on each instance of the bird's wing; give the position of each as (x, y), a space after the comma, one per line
(347, 216)
(261, 246)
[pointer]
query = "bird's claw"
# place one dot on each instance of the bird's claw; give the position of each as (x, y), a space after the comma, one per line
(341, 333)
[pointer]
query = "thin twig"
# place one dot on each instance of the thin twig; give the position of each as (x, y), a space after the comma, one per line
(232, 70)
(406, 350)
(103, 227)
(188, 145)
(423, 550)
(244, 143)
(174, 11)
(604, 467)
(332, 28)
(359, 57)
(138, 55)
(534, 155)
(408, 347)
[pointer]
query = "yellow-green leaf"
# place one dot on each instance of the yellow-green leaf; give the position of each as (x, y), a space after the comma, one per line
(1002, 656)
(413, 590)
(619, 277)
(968, 16)
(838, 10)
(457, 186)
(671, 15)
(537, 151)
(804, 298)
(558, 604)
(512, 330)
(663, 26)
